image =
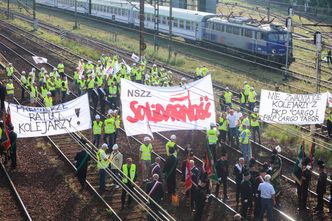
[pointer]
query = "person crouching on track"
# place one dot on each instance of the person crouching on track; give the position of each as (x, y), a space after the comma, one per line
(102, 165)
(82, 159)
(129, 177)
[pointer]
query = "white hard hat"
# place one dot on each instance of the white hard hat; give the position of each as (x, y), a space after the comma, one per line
(183, 79)
(154, 65)
(43, 69)
(104, 146)
(23, 72)
(110, 111)
(33, 69)
(227, 88)
(252, 88)
(99, 61)
(245, 82)
(10, 63)
(212, 124)
(147, 139)
(255, 109)
(173, 137)
(115, 147)
(49, 93)
(134, 64)
(97, 117)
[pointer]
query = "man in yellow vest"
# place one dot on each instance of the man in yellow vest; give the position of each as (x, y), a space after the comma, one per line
(246, 89)
(64, 89)
(171, 144)
(117, 118)
(223, 127)
(245, 144)
(329, 123)
(109, 129)
(48, 100)
(254, 124)
(91, 86)
(212, 137)
(102, 165)
(112, 95)
(10, 89)
(96, 130)
(228, 95)
(145, 151)
(24, 83)
(129, 177)
(61, 69)
(252, 99)
(33, 93)
(242, 98)
(10, 70)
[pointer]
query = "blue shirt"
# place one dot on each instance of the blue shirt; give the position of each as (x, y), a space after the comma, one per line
(267, 190)
(232, 120)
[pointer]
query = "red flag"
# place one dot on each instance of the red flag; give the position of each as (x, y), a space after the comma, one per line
(5, 133)
(210, 166)
(188, 182)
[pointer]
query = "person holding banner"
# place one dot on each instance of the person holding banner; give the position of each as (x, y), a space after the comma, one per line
(48, 100)
(145, 151)
(102, 165)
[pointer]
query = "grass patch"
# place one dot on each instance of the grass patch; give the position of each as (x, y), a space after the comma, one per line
(287, 136)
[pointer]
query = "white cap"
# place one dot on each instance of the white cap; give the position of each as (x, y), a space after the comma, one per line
(155, 176)
(252, 88)
(110, 111)
(227, 88)
(147, 139)
(212, 124)
(173, 137)
(10, 63)
(115, 147)
(245, 82)
(97, 117)
(278, 149)
(154, 65)
(33, 69)
(99, 61)
(104, 146)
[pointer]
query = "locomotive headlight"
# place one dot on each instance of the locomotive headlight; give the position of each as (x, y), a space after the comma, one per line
(274, 51)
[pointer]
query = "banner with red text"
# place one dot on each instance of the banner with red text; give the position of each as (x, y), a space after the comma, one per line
(147, 109)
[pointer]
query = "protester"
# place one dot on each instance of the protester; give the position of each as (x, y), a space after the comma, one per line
(267, 198)
(102, 165)
(145, 151)
(129, 177)
(155, 190)
(116, 159)
(82, 159)
(170, 172)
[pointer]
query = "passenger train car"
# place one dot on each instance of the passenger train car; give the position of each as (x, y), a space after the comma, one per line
(268, 41)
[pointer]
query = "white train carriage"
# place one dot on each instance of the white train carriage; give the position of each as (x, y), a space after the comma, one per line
(82, 5)
(186, 23)
(120, 11)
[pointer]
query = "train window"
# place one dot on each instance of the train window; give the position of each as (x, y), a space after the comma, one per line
(181, 24)
(123, 12)
(236, 30)
(260, 36)
(188, 25)
(229, 29)
(247, 33)
(111, 10)
(163, 20)
(175, 23)
(277, 37)
(147, 17)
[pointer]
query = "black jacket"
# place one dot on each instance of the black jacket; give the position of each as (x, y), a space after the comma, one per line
(321, 183)
(157, 193)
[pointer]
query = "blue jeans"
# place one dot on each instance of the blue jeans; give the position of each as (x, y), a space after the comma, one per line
(243, 107)
(102, 178)
(246, 152)
(233, 132)
(266, 204)
(251, 106)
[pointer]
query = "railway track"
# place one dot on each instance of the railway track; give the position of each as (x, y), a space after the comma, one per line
(159, 146)
(62, 141)
(103, 47)
(296, 75)
(11, 205)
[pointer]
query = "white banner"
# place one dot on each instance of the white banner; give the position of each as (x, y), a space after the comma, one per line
(284, 108)
(39, 60)
(59, 119)
(146, 108)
